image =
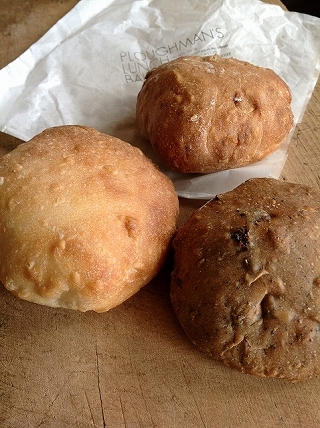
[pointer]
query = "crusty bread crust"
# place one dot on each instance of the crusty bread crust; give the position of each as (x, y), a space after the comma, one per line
(85, 219)
(246, 280)
(207, 114)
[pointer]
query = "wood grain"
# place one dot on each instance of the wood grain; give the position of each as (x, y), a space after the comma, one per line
(303, 163)
(133, 366)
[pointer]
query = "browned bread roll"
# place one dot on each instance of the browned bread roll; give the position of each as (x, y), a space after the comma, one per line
(85, 219)
(207, 114)
(246, 280)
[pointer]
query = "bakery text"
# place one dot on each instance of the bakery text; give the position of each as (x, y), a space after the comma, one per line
(135, 65)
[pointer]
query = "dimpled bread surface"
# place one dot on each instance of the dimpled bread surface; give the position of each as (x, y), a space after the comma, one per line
(207, 114)
(246, 280)
(86, 219)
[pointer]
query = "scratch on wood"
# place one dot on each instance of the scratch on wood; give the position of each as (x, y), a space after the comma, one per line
(138, 377)
(90, 410)
(122, 411)
(192, 395)
(47, 413)
(99, 388)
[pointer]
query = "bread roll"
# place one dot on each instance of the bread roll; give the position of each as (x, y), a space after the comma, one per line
(246, 280)
(86, 219)
(207, 114)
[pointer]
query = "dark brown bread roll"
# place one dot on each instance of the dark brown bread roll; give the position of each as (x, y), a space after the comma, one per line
(246, 280)
(86, 219)
(207, 114)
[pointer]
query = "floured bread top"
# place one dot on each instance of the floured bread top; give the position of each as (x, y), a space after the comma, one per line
(246, 280)
(85, 219)
(207, 114)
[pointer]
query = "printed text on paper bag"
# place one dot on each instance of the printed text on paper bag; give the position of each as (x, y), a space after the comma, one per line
(135, 65)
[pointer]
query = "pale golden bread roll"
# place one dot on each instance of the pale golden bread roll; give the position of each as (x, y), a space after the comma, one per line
(246, 280)
(207, 114)
(86, 219)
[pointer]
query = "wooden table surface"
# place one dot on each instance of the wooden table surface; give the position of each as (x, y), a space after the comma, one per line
(133, 366)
